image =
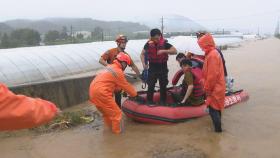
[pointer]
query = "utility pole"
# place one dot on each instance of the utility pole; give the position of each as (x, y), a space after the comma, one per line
(71, 28)
(162, 25)
(102, 35)
(277, 28)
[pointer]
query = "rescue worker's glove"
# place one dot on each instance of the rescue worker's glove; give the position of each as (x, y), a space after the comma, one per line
(137, 99)
(180, 104)
(124, 94)
(140, 99)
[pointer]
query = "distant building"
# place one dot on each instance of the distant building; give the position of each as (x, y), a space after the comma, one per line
(42, 43)
(86, 34)
(222, 32)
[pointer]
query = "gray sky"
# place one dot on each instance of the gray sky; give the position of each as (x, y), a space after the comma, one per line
(247, 15)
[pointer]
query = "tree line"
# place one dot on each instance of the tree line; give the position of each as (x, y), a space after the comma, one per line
(20, 38)
(29, 37)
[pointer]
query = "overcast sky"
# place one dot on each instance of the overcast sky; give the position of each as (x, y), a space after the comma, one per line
(214, 14)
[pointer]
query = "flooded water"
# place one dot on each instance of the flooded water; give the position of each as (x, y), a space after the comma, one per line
(251, 129)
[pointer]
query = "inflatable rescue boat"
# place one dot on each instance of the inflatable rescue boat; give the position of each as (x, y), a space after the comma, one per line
(171, 113)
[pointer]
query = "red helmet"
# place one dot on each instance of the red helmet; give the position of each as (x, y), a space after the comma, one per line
(121, 38)
(124, 57)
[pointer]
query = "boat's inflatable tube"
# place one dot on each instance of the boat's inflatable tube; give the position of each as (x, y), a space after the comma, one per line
(167, 114)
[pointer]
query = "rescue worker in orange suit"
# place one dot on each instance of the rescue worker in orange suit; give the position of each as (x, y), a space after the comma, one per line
(213, 80)
(200, 34)
(102, 89)
(20, 112)
(157, 49)
(109, 56)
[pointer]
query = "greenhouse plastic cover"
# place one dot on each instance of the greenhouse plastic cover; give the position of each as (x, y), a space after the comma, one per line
(28, 65)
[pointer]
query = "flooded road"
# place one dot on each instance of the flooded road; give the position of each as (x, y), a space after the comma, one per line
(251, 129)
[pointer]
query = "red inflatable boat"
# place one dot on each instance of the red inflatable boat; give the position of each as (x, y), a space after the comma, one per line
(168, 114)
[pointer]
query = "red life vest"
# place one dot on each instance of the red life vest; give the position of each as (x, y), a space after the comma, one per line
(197, 73)
(152, 51)
(177, 76)
(197, 87)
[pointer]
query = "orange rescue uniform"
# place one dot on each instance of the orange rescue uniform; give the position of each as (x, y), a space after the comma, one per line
(213, 73)
(101, 93)
(19, 111)
(110, 55)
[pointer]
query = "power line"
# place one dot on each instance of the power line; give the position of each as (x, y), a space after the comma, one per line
(240, 17)
(162, 25)
(229, 18)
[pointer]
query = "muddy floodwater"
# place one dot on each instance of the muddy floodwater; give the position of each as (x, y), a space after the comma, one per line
(251, 129)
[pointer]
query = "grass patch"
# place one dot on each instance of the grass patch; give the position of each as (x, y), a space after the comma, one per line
(68, 120)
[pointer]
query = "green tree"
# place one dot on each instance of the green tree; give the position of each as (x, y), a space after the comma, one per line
(52, 36)
(5, 41)
(97, 34)
(64, 34)
(24, 37)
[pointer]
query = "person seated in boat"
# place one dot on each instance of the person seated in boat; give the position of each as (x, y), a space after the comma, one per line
(192, 93)
(180, 57)
(196, 63)
(195, 59)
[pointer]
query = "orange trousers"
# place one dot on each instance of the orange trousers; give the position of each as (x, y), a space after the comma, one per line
(112, 114)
